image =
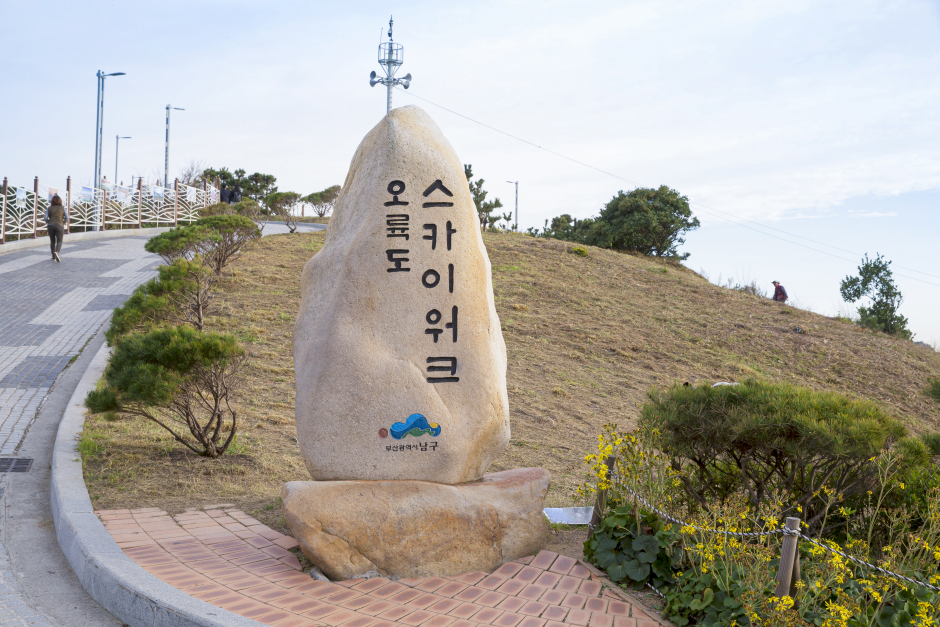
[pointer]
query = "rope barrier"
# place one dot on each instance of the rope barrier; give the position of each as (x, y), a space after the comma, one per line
(682, 523)
(868, 565)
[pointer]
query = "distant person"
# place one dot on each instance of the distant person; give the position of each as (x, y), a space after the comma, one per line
(236, 194)
(226, 195)
(780, 294)
(56, 216)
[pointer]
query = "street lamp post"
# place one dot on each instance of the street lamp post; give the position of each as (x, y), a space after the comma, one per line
(117, 144)
(166, 163)
(99, 129)
(516, 183)
(391, 56)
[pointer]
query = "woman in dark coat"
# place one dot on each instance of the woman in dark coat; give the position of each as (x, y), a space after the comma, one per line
(57, 217)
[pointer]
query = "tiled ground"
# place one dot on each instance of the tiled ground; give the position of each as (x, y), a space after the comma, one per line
(230, 560)
(49, 310)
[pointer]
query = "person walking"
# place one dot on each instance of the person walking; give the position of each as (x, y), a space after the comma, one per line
(57, 217)
(780, 294)
(225, 195)
(236, 195)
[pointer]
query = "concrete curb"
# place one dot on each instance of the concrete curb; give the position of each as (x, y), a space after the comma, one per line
(111, 578)
(10, 247)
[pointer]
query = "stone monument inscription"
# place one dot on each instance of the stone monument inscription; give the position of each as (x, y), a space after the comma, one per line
(400, 368)
(400, 363)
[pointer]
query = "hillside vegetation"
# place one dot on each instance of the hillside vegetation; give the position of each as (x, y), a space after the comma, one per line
(586, 338)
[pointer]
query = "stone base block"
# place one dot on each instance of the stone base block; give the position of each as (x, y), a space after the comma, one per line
(418, 528)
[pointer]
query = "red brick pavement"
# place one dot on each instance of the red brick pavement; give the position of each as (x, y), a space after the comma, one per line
(232, 561)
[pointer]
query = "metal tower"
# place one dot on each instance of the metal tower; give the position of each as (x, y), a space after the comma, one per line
(391, 56)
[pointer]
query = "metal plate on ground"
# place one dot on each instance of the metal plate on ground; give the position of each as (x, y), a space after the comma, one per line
(15, 464)
(569, 515)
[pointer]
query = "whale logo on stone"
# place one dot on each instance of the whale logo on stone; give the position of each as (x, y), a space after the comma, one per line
(415, 425)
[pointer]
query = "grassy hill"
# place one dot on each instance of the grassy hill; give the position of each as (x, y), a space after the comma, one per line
(586, 338)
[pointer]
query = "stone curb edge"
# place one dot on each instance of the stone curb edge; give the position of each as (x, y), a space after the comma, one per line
(111, 578)
(10, 247)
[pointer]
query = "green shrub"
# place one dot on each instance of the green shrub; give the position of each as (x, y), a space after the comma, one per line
(180, 293)
(235, 232)
(180, 379)
(580, 251)
(183, 242)
(767, 440)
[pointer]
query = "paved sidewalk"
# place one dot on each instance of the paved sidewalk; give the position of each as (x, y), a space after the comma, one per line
(14, 612)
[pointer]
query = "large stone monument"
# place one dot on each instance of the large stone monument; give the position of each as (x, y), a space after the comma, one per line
(400, 368)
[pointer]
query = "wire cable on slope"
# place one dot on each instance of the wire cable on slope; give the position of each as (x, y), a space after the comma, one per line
(701, 207)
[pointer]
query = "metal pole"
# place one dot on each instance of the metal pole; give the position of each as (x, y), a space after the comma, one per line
(99, 110)
(3, 219)
(35, 207)
(104, 207)
(517, 205)
(117, 142)
(140, 195)
(176, 202)
(166, 162)
(68, 203)
(98, 142)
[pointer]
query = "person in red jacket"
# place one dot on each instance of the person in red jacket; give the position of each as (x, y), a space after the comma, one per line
(780, 294)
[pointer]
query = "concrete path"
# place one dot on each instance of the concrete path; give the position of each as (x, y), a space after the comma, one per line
(50, 317)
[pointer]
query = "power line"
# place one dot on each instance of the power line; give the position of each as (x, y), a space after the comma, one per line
(701, 207)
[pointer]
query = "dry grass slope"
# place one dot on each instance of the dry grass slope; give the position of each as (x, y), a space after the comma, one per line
(586, 337)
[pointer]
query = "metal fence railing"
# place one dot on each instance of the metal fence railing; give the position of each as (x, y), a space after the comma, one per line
(93, 209)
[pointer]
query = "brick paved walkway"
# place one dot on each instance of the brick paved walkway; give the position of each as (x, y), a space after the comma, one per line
(230, 560)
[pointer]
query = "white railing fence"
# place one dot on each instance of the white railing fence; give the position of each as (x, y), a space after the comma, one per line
(92, 209)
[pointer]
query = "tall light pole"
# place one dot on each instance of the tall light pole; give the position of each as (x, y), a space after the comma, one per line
(99, 124)
(166, 164)
(516, 183)
(117, 144)
(391, 56)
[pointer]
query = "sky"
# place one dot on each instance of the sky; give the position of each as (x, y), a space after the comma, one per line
(804, 133)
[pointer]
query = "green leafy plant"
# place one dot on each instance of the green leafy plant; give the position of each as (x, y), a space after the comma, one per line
(634, 550)
(178, 378)
(580, 251)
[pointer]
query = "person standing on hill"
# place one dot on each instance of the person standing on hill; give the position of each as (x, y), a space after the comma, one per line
(236, 195)
(780, 294)
(57, 216)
